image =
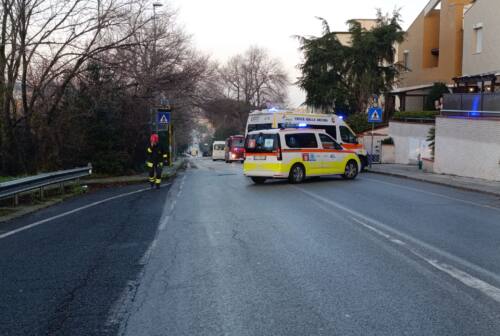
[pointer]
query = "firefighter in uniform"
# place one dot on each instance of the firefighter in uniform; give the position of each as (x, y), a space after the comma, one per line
(155, 159)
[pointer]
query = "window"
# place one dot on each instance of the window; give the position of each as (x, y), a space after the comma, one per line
(219, 147)
(260, 143)
(259, 127)
(478, 38)
(329, 143)
(301, 140)
(238, 142)
(332, 130)
(406, 60)
(347, 136)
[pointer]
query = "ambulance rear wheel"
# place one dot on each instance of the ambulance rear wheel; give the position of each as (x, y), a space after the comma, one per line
(297, 174)
(351, 170)
(258, 180)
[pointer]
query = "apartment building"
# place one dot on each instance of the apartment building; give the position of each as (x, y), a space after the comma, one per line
(481, 48)
(431, 52)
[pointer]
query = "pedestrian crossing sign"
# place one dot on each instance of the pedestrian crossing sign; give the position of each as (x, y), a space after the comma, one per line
(163, 117)
(375, 115)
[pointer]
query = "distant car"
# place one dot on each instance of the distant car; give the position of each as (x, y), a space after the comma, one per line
(218, 150)
(296, 154)
(235, 148)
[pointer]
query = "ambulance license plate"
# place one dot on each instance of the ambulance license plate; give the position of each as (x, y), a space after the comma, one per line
(259, 157)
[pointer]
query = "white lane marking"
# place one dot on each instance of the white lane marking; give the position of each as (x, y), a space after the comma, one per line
(145, 258)
(407, 238)
(434, 194)
(468, 280)
(379, 232)
(465, 278)
(121, 307)
(64, 214)
(164, 223)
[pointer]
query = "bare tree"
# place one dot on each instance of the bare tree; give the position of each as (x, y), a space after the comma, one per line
(44, 44)
(243, 83)
(254, 78)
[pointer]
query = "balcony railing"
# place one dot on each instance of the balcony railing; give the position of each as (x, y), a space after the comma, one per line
(472, 105)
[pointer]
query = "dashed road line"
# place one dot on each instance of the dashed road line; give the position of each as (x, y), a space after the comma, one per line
(464, 277)
(390, 234)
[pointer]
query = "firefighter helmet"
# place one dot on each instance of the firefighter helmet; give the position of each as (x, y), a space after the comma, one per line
(154, 138)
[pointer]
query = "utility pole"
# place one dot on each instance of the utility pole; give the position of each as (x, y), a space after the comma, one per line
(154, 58)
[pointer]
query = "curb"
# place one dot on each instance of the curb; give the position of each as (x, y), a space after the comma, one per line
(435, 182)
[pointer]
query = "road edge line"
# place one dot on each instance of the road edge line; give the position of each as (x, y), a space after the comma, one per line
(64, 214)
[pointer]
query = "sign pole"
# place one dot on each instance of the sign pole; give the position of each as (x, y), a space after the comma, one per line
(371, 153)
(170, 158)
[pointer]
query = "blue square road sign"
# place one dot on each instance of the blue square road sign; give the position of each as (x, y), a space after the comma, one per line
(163, 117)
(375, 115)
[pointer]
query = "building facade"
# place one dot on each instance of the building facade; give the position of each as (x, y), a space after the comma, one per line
(345, 36)
(481, 47)
(431, 52)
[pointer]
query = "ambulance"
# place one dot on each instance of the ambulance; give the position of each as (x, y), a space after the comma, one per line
(334, 125)
(296, 154)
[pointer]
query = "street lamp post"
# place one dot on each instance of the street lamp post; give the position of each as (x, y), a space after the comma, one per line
(155, 5)
(153, 56)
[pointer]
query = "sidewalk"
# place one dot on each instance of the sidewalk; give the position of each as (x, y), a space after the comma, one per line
(412, 172)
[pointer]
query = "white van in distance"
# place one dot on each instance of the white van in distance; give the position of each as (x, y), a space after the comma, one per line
(218, 150)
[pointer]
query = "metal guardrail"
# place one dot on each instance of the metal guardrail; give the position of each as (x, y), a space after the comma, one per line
(15, 187)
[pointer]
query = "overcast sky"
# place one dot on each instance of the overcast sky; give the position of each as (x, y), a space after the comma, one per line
(223, 28)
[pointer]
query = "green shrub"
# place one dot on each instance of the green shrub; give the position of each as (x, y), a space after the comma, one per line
(415, 115)
(436, 92)
(358, 122)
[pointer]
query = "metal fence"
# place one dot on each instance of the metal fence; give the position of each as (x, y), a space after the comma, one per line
(472, 104)
(13, 189)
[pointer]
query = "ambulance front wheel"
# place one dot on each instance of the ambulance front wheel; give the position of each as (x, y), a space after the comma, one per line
(351, 170)
(297, 174)
(258, 180)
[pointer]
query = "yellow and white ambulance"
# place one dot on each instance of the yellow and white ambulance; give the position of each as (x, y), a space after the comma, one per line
(333, 124)
(296, 154)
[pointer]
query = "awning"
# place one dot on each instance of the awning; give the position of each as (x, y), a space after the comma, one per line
(412, 88)
(488, 76)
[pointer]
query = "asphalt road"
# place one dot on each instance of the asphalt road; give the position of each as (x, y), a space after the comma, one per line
(62, 276)
(216, 255)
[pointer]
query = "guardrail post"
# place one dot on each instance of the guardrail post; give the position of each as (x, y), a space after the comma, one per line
(16, 200)
(41, 193)
(62, 188)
